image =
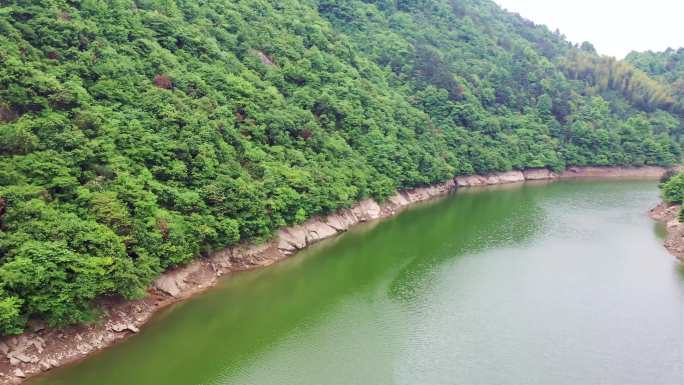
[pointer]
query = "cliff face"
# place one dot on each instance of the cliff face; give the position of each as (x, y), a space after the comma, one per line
(42, 349)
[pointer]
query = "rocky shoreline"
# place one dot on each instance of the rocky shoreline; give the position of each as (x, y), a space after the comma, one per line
(669, 216)
(41, 349)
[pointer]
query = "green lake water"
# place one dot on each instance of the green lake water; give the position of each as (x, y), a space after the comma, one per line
(551, 283)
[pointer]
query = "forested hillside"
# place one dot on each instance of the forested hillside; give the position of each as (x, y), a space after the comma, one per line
(666, 66)
(137, 135)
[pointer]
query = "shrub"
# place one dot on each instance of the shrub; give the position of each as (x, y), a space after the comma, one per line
(673, 190)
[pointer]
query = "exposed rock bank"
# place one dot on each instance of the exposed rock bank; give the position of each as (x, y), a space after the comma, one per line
(571, 172)
(614, 172)
(505, 177)
(42, 349)
(668, 215)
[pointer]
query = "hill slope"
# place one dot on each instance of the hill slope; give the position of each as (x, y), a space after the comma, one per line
(136, 135)
(666, 66)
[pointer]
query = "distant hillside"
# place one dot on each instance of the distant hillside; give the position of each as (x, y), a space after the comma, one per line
(137, 135)
(666, 66)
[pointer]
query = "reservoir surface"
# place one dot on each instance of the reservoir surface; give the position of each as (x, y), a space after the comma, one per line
(551, 283)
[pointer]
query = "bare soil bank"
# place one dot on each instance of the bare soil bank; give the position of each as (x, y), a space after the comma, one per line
(42, 349)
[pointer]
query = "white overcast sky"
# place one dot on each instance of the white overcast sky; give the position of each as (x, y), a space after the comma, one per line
(615, 27)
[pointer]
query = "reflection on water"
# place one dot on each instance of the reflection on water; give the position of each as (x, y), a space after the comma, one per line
(473, 222)
(679, 269)
(660, 230)
(548, 283)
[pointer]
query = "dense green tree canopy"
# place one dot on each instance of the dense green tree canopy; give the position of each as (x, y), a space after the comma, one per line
(666, 66)
(136, 135)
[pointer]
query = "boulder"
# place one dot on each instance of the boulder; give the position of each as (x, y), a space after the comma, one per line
(19, 373)
(167, 284)
(317, 230)
(448, 185)
(250, 251)
(539, 174)
(223, 258)
(122, 327)
(39, 344)
(45, 365)
(292, 239)
(366, 210)
(298, 237)
(246, 255)
(337, 222)
(173, 282)
(511, 177)
(16, 357)
(342, 220)
(470, 181)
(398, 200)
(84, 348)
(416, 195)
(286, 247)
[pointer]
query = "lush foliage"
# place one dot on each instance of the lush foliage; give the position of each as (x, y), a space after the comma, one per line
(606, 74)
(136, 135)
(672, 189)
(667, 66)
